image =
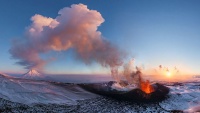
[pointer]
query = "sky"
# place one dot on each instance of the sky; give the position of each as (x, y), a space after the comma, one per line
(153, 32)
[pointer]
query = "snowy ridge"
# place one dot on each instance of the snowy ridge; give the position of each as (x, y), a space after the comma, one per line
(33, 92)
(4, 75)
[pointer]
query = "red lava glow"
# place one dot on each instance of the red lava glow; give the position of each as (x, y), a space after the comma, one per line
(146, 86)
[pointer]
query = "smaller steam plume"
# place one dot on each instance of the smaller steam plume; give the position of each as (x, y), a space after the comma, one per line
(162, 70)
(131, 74)
(75, 28)
(131, 78)
(160, 67)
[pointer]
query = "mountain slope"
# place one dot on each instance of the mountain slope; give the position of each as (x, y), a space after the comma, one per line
(4, 75)
(33, 74)
(33, 91)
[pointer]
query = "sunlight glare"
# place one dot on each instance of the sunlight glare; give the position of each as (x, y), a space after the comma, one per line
(168, 74)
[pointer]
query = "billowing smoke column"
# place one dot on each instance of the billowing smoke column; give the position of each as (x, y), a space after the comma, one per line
(131, 79)
(132, 74)
(74, 28)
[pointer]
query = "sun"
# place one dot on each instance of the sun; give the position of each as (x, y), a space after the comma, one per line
(168, 73)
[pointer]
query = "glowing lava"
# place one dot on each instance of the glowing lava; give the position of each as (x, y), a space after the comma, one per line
(146, 86)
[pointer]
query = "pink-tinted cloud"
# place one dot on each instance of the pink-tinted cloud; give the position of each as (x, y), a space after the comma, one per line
(74, 27)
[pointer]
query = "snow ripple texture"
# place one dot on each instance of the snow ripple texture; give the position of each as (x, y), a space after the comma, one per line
(32, 91)
(183, 96)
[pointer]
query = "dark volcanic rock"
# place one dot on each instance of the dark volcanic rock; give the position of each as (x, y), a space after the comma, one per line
(135, 95)
(96, 105)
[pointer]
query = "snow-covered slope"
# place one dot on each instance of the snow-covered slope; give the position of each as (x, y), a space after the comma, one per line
(32, 91)
(4, 75)
(183, 96)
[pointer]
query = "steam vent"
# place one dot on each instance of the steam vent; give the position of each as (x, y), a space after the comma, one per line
(135, 95)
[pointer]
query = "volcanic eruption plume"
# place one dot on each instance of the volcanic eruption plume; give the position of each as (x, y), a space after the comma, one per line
(74, 28)
(135, 77)
(131, 78)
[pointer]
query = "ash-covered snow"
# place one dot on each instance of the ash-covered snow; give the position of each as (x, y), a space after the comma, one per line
(119, 87)
(97, 105)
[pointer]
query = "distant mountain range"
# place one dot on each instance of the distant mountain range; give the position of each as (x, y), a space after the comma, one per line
(197, 76)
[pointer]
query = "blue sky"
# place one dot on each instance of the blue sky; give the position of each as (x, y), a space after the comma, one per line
(154, 32)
